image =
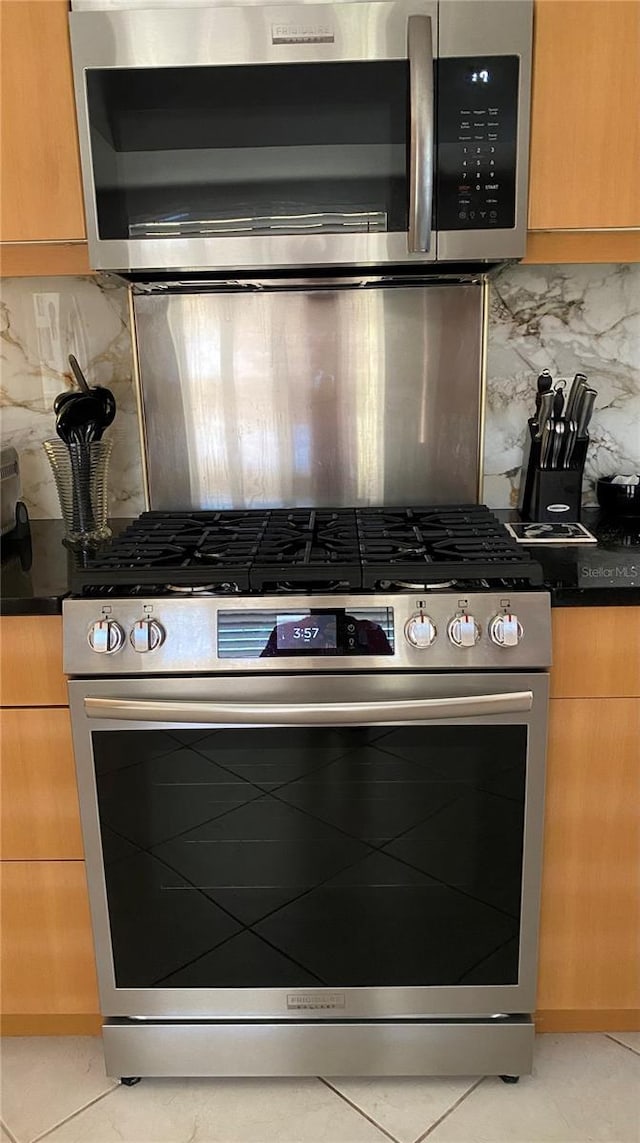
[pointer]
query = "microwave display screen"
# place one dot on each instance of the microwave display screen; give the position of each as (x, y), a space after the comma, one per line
(479, 76)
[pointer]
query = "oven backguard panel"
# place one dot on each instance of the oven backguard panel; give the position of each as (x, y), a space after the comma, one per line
(319, 397)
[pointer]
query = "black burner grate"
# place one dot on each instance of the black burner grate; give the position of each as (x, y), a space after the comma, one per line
(319, 544)
(308, 549)
(437, 544)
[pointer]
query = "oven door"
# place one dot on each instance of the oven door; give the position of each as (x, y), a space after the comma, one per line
(289, 846)
(251, 137)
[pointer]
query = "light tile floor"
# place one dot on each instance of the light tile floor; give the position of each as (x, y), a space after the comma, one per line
(584, 1088)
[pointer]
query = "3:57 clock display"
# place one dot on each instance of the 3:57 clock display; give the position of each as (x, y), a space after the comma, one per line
(317, 632)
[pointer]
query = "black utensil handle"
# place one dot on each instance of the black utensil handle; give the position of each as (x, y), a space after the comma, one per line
(544, 382)
(78, 374)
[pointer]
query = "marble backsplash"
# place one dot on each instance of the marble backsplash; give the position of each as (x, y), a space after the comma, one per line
(564, 318)
(42, 321)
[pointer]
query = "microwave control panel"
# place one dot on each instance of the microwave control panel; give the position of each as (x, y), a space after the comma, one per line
(477, 118)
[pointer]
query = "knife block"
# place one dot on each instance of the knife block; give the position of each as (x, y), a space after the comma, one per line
(552, 494)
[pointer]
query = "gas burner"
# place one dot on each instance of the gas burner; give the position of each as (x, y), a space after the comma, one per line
(402, 585)
(202, 589)
(328, 586)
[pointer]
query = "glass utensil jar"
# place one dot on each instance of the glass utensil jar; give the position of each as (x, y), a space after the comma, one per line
(80, 472)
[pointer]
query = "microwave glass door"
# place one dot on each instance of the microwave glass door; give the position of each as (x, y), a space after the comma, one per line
(324, 856)
(264, 149)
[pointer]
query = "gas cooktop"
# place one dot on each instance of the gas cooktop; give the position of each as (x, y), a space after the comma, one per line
(302, 549)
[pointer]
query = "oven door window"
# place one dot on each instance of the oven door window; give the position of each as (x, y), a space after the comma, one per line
(293, 857)
(264, 149)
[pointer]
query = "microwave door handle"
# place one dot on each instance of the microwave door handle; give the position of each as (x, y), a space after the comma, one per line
(308, 714)
(420, 53)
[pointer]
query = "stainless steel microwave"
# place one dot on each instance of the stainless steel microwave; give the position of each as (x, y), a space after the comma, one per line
(257, 136)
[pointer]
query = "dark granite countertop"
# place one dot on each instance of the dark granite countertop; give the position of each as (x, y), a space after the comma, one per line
(605, 574)
(35, 569)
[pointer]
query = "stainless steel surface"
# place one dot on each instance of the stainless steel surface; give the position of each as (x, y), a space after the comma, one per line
(308, 714)
(10, 486)
(191, 630)
(478, 1047)
(420, 53)
(570, 442)
(578, 384)
(585, 410)
(499, 28)
(242, 34)
(556, 448)
(545, 412)
(311, 397)
(546, 443)
(380, 1003)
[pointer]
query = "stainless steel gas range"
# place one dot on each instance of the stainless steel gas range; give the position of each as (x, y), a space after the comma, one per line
(310, 751)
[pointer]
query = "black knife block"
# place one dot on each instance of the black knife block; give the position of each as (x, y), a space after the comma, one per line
(552, 494)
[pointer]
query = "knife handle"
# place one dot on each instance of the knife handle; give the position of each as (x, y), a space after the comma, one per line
(558, 403)
(546, 410)
(544, 382)
(586, 410)
(577, 385)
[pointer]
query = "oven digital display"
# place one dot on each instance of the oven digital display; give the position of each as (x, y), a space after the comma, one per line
(324, 631)
(311, 632)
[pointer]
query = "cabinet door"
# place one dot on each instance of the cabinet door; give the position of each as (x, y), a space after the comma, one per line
(46, 946)
(31, 660)
(590, 921)
(585, 126)
(41, 186)
(39, 816)
(596, 652)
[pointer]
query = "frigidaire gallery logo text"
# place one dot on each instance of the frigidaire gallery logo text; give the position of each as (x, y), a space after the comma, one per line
(302, 34)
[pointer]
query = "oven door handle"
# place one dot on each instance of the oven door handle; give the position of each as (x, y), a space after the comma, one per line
(420, 54)
(308, 714)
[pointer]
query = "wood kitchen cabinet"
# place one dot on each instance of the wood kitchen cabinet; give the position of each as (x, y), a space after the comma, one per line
(585, 121)
(39, 815)
(31, 661)
(590, 916)
(596, 652)
(47, 970)
(40, 184)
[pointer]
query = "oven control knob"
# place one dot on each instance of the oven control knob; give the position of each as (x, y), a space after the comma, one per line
(420, 630)
(464, 631)
(505, 630)
(105, 636)
(146, 635)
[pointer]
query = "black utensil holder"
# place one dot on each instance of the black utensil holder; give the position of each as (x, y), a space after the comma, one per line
(552, 494)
